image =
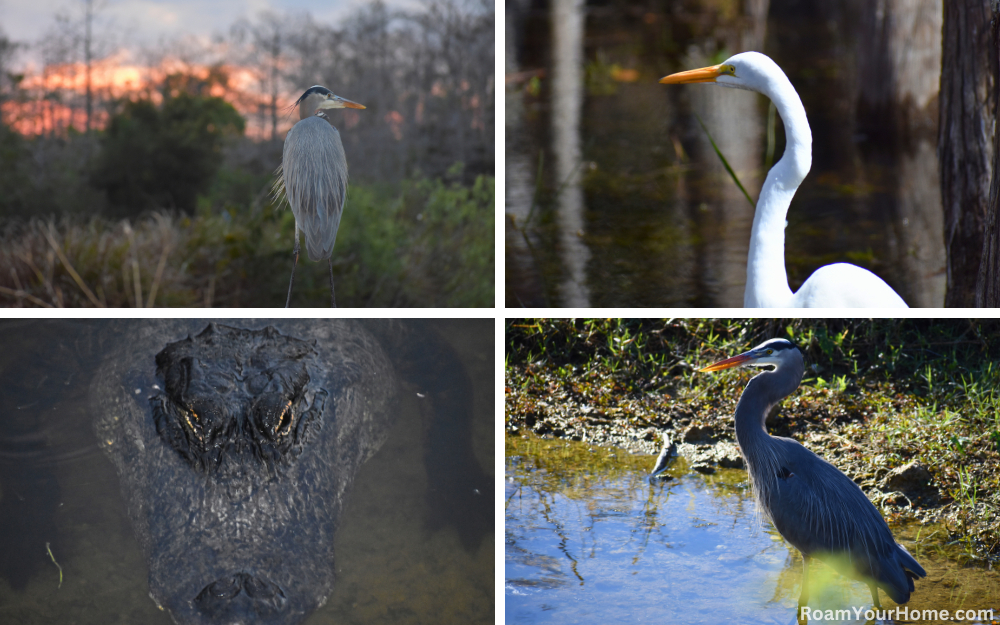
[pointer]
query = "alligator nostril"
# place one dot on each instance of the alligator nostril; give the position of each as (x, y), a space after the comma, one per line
(263, 591)
(240, 594)
(222, 589)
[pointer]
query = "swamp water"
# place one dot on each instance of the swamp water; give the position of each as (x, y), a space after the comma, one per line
(58, 488)
(590, 539)
(614, 196)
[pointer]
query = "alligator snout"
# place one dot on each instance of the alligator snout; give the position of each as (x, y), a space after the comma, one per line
(240, 596)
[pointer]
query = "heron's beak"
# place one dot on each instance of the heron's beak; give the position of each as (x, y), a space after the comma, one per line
(705, 74)
(729, 363)
(337, 102)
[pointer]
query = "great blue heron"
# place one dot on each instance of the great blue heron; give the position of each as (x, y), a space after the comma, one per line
(814, 506)
(313, 176)
(840, 285)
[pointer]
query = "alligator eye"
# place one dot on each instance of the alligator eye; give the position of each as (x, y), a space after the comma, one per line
(273, 416)
(191, 418)
(285, 420)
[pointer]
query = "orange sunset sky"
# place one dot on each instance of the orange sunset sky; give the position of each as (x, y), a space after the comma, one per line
(132, 26)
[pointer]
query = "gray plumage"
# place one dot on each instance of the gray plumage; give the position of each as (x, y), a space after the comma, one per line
(314, 170)
(814, 506)
(313, 177)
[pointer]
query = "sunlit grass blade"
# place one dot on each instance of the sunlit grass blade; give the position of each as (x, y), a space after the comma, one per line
(769, 154)
(725, 163)
(48, 548)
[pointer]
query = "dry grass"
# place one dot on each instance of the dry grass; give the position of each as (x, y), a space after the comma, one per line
(95, 263)
(429, 243)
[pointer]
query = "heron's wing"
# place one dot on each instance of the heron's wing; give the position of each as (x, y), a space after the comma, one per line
(314, 171)
(824, 514)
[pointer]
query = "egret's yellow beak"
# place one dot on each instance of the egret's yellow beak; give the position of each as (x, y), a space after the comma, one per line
(705, 74)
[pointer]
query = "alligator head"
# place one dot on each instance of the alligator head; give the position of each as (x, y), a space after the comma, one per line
(234, 400)
(235, 448)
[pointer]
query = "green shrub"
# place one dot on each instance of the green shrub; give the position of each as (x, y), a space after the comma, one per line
(154, 156)
(428, 244)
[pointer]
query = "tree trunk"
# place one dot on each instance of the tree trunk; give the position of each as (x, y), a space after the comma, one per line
(988, 285)
(898, 52)
(275, 62)
(88, 57)
(965, 141)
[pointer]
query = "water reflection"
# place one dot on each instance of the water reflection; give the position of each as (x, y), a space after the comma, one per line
(567, 104)
(724, 214)
(654, 220)
(921, 225)
(737, 127)
(394, 565)
(517, 169)
(588, 538)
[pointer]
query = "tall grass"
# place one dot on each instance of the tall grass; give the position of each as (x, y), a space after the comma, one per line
(429, 243)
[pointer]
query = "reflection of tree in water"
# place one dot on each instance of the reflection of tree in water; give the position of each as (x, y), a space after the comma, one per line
(556, 480)
(560, 494)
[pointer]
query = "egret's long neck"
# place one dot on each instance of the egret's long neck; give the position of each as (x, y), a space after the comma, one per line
(767, 282)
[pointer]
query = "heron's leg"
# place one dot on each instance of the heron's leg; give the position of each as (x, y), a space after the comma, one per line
(295, 262)
(333, 299)
(874, 589)
(804, 595)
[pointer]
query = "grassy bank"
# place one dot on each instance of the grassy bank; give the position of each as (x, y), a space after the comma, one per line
(878, 396)
(428, 243)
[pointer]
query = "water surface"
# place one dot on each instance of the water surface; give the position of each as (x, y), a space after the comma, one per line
(589, 539)
(57, 488)
(615, 198)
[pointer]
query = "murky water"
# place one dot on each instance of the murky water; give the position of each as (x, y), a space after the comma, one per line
(615, 198)
(589, 539)
(57, 488)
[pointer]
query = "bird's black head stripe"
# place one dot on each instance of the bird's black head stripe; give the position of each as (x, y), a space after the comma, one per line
(311, 90)
(777, 345)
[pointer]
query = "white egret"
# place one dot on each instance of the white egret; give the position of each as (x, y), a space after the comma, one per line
(840, 285)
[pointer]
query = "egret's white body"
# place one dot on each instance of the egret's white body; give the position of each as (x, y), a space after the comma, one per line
(840, 285)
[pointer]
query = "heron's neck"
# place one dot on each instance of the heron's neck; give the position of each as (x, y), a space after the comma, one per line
(767, 282)
(761, 394)
(751, 411)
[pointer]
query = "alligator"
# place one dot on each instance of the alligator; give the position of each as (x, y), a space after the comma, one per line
(236, 442)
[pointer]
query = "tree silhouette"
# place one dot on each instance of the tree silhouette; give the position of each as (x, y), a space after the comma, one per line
(164, 156)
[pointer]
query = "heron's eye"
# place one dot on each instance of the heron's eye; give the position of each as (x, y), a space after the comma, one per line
(770, 351)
